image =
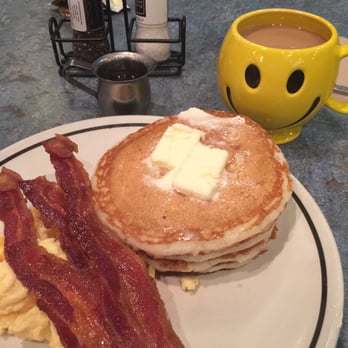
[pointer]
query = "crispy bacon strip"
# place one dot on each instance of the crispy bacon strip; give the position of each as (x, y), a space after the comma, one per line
(67, 294)
(138, 292)
(42, 194)
(49, 199)
(131, 311)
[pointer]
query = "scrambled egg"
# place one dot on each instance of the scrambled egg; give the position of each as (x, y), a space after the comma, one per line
(189, 283)
(19, 315)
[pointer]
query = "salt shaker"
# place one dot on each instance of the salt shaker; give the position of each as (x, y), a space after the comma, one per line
(87, 22)
(152, 23)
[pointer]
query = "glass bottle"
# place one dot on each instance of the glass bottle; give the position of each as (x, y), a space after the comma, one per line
(88, 24)
(152, 24)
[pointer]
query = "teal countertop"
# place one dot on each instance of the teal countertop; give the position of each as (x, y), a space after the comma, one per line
(34, 97)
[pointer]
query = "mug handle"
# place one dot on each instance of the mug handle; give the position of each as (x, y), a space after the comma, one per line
(75, 63)
(331, 102)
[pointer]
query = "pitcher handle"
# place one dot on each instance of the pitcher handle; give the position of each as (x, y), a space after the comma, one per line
(75, 63)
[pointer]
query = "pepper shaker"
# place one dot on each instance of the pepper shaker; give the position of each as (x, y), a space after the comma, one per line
(87, 22)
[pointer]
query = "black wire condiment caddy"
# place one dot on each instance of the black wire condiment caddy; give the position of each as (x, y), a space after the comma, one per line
(62, 41)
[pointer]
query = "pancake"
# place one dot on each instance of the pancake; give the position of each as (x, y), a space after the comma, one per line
(264, 236)
(162, 223)
(230, 260)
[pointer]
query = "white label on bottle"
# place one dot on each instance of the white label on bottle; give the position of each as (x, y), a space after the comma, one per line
(140, 8)
(77, 15)
(151, 12)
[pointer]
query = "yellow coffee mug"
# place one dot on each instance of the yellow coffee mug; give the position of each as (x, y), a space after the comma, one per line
(279, 67)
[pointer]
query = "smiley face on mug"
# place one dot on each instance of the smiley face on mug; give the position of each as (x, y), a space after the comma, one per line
(280, 95)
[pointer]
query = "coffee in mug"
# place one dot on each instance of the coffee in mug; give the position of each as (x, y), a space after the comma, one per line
(282, 36)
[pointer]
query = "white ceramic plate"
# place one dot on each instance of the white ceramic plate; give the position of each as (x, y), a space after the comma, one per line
(291, 296)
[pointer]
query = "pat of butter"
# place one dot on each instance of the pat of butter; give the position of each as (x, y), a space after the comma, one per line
(175, 144)
(194, 169)
(199, 174)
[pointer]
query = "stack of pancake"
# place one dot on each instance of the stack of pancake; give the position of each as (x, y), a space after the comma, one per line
(179, 232)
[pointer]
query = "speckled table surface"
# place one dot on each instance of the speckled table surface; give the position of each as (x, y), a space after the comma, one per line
(34, 97)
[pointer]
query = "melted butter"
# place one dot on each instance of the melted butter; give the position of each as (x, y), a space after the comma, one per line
(195, 169)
